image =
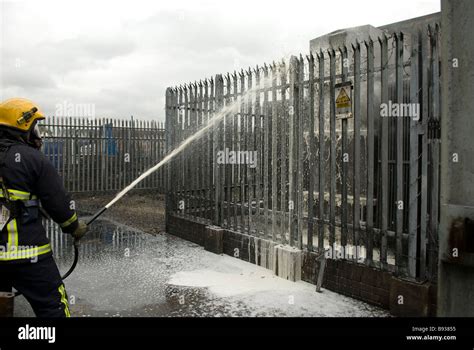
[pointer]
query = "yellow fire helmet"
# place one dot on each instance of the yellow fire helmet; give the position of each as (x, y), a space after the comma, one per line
(19, 114)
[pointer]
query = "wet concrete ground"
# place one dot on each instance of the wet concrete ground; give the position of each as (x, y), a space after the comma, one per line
(124, 272)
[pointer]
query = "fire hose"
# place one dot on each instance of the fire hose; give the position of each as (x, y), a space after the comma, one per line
(76, 244)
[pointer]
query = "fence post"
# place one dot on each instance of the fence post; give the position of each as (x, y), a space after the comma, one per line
(332, 149)
(217, 143)
(357, 151)
(293, 113)
(300, 151)
(370, 152)
(257, 147)
(400, 205)
(212, 160)
(283, 129)
(192, 169)
(266, 146)
(435, 155)
(322, 152)
(384, 152)
(344, 157)
(425, 73)
(249, 146)
(169, 96)
(242, 174)
(186, 152)
(207, 156)
(311, 152)
(179, 134)
(235, 141)
(274, 158)
(228, 145)
(201, 147)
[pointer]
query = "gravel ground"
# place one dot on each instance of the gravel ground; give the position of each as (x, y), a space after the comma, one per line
(140, 209)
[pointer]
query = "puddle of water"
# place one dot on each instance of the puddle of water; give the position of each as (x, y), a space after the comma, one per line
(121, 271)
(106, 239)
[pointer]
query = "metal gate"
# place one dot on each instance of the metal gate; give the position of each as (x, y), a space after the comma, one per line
(285, 165)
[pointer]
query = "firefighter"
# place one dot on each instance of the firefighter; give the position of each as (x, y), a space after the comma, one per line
(29, 184)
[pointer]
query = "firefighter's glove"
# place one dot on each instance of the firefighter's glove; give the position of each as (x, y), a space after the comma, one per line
(80, 231)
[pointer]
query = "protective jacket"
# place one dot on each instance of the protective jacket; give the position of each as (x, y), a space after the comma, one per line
(28, 180)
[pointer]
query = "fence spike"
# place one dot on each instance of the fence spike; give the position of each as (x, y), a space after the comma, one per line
(356, 46)
(430, 30)
(343, 49)
(381, 38)
(368, 42)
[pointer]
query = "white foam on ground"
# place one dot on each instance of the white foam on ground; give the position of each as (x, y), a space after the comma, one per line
(238, 281)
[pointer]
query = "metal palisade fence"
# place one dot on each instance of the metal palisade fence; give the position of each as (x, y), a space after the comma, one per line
(284, 165)
(101, 154)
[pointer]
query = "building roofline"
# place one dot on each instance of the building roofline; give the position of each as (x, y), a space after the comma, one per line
(436, 16)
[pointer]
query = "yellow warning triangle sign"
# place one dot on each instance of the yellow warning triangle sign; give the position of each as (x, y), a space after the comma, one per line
(343, 100)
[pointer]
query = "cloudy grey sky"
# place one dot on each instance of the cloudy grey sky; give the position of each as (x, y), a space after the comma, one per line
(120, 56)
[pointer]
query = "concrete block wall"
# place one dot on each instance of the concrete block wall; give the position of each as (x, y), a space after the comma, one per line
(287, 262)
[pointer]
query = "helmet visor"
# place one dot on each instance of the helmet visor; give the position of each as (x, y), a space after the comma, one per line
(36, 131)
